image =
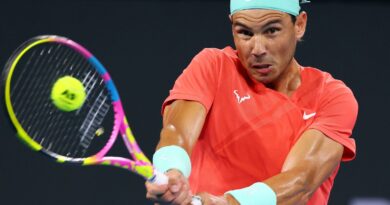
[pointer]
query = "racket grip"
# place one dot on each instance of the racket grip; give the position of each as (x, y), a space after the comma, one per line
(160, 179)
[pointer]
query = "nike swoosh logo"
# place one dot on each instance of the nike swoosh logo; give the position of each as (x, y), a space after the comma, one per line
(308, 116)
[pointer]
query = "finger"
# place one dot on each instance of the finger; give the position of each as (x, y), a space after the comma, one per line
(153, 185)
(182, 196)
(175, 187)
(177, 197)
(167, 197)
(188, 200)
(176, 180)
(162, 197)
(154, 189)
(151, 197)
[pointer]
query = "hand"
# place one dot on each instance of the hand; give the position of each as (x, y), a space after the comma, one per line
(176, 192)
(209, 199)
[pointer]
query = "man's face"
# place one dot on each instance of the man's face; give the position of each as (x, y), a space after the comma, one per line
(265, 41)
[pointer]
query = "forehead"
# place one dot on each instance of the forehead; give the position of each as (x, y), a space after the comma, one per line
(258, 16)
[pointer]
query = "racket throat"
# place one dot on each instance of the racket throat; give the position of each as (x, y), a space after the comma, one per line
(144, 169)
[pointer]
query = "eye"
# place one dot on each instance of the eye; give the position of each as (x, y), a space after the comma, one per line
(272, 30)
(244, 32)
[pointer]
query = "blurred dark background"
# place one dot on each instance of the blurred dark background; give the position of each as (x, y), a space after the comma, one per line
(146, 44)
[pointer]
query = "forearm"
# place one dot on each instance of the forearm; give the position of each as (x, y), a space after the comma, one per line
(182, 124)
(171, 136)
(310, 162)
(306, 168)
(291, 187)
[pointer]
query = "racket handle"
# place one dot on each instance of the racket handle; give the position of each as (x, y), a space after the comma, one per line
(160, 179)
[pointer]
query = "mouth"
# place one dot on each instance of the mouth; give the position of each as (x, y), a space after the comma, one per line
(262, 68)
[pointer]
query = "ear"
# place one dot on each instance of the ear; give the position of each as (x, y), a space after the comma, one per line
(300, 25)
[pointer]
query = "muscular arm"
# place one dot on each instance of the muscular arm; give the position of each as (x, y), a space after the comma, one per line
(182, 123)
(311, 161)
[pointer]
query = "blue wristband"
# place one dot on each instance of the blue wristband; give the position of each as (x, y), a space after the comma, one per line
(257, 193)
(172, 157)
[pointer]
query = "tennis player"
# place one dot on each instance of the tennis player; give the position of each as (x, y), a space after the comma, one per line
(250, 125)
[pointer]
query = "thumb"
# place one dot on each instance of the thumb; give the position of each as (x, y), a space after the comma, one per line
(174, 185)
(175, 180)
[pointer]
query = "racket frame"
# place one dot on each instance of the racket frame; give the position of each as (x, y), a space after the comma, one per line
(140, 165)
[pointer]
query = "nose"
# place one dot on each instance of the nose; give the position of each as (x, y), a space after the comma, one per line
(258, 46)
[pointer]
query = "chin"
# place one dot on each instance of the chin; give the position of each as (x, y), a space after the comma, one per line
(261, 79)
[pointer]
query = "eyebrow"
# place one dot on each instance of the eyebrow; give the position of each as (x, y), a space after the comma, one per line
(240, 24)
(275, 21)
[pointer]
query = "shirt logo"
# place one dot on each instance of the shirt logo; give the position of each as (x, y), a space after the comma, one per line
(308, 116)
(239, 98)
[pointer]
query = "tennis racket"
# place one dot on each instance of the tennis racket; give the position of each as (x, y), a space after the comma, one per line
(72, 121)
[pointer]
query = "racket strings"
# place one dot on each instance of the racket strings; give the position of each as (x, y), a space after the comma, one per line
(67, 145)
(47, 110)
(92, 123)
(62, 143)
(87, 129)
(26, 85)
(29, 108)
(30, 88)
(87, 133)
(66, 133)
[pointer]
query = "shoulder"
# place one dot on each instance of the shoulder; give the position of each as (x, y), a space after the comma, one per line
(217, 54)
(323, 81)
(336, 108)
(228, 51)
(212, 61)
(319, 89)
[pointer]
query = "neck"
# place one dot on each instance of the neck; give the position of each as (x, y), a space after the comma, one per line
(290, 79)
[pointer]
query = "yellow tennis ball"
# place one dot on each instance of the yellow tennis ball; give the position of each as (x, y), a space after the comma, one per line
(68, 94)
